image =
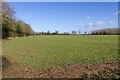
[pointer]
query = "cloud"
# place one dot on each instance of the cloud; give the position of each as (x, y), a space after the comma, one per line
(111, 22)
(88, 17)
(98, 23)
(90, 24)
(82, 24)
(116, 13)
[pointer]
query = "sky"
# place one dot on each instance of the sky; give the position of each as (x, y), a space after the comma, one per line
(67, 16)
(61, 0)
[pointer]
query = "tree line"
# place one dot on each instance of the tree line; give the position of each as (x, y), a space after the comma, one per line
(109, 31)
(12, 27)
(56, 33)
(51, 33)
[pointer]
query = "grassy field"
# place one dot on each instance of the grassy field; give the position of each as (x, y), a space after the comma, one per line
(49, 51)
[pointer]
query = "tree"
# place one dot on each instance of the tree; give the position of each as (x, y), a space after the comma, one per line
(73, 32)
(19, 31)
(48, 32)
(7, 14)
(66, 33)
(104, 33)
(7, 10)
(79, 32)
(5, 31)
(12, 27)
(56, 32)
(85, 33)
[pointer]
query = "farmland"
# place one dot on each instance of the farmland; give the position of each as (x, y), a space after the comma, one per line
(59, 40)
(52, 51)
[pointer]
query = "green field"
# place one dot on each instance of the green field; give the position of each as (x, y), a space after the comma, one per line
(49, 51)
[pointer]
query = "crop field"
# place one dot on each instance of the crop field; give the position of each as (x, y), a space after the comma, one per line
(38, 52)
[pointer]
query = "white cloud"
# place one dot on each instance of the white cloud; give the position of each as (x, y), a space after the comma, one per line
(111, 22)
(90, 24)
(98, 23)
(88, 17)
(82, 24)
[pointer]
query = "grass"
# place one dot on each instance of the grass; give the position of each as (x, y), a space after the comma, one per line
(49, 51)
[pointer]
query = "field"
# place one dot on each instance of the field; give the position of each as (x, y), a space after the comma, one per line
(44, 52)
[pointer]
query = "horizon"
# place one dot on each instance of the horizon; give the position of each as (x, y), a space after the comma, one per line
(67, 16)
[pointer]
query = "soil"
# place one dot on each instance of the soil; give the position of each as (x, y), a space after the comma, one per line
(12, 69)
